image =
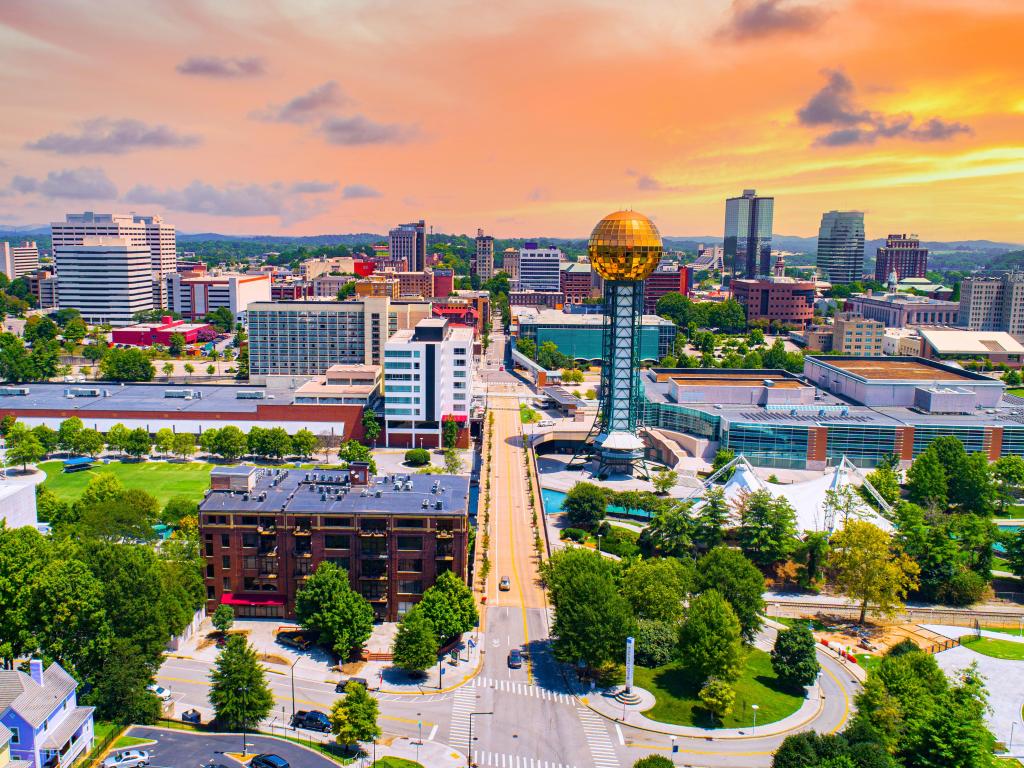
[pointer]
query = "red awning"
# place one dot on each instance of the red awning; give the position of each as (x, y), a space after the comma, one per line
(229, 599)
(457, 417)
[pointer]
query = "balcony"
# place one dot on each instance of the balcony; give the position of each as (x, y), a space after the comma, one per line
(374, 554)
(303, 554)
(267, 530)
(444, 534)
(302, 532)
(374, 532)
(444, 554)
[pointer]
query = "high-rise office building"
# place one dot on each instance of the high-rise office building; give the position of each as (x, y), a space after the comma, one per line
(18, 260)
(994, 303)
(748, 234)
(539, 268)
(841, 246)
(150, 231)
(483, 259)
(107, 279)
(903, 255)
(408, 242)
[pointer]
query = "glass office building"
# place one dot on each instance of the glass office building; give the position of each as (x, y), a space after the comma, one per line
(841, 246)
(748, 234)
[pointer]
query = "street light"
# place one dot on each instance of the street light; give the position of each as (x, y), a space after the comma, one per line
(293, 685)
(673, 752)
(469, 752)
(755, 708)
(599, 543)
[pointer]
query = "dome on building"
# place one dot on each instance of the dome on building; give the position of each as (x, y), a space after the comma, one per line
(625, 245)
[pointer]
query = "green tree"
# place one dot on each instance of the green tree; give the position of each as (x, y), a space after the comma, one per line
(926, 481)
(1009, 478)
(739, 581)
(449, 433)
(117, 437)
(354, 717)
(6, 423)
(793, 656)
(128, 515)
(177, 345)
(371, 427)
(717, 696)
(954, 734)
(709, 639)
(239, 692)
(452, 462)
(655, 589)
(884, 480)
(47, 437)
(23, 551)
(75, 331)
(221, 319)
(767, 531)
(722, 457)
(211, 369)
(230, 443)
(1014, 545)
(655, 642)
(654, 761)
(303, 443)
(177, 508)
(327, 604)
(119, 693)
(67, 433)
(415, 645)
(353, 450)
(572, 376)
(223, 618)
(138, 443)
(184, 444)
(417, 457)
(811, 554)
(131, 364)
(710, 520)
(208, 440)
(867, 566)
(90, 442)
(189, 370)
(585, 505)
(23, 447)
(526, 347)
(449, 606)
(664, 480)
(972, 489)
(40, 328)
(167, 368)
(164, 440)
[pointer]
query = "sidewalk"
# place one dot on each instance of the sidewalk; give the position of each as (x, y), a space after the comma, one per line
(394, 681)
(430, 753)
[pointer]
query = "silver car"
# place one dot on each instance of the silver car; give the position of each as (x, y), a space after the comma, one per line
(129, 758)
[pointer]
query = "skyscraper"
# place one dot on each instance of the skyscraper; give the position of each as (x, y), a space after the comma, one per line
(19, 260)
(409, 243)
(841, 246)
(107, 278)
(483, 259)
(748, 234)
(539, 268)
(903, 255)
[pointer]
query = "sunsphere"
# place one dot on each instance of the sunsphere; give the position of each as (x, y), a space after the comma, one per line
(625, 245)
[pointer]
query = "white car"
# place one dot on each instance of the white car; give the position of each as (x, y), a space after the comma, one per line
(130, 758)
(159, 691)
(546, 423)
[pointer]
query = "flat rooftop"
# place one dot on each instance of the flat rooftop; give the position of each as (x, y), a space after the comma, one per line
(732, 381)
(881, 369)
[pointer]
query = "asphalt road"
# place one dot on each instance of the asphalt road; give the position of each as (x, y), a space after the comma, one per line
(182, 749)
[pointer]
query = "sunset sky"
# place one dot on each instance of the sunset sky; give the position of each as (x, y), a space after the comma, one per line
(526, 117)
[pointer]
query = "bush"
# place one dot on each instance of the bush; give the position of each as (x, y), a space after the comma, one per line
(653, 761)
(620, 542)
(964, 588)
(573, 534)
(417, 457)
(655, 642)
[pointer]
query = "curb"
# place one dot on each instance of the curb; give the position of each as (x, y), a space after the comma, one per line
(238, 735)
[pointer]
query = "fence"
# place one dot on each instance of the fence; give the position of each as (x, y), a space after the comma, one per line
(957, 617)
(99, 747)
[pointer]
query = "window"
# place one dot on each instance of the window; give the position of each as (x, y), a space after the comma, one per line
(225, 540)
(225, 561)
(413, 522)
(410, 564)
(337, 541)
(227, 583)
(15, 735)
(410, 586)
(250, 540)
(412, 543)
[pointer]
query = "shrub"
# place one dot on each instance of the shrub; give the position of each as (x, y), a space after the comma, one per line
(573, 534)
(417, 457)
(655, 642)
(964, 588)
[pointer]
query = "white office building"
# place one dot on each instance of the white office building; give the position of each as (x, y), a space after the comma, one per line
(196, 296)
(540, 269)
(18, 260)
(427, 379)
(408, 242)
(107, 279)
(150, 231)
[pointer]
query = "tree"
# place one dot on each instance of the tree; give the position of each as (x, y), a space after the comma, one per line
(167, 368)
(1014, 546)
(223, 618)
(119, 693)
(130, 364)
(739, 581)
(303, 443)
(327, 604)
(664, 480)
(449, 433)
(866, 566)
(926, 481)
(138, 443)
(767, 531)
(6, 423)
(417, 457)
(211, 369)
(572, 376)
(654, 761)
(239, 692)
(164, 440)
(353, 450)
(371, 427)
(117, 437)
(278, 443)
(585, 505)
(526, 347)
(655, 589)
(178, 508)
(710, 520)
(415, 645)
(189, 370)
(452, 462)
(90, 442)
(208, 440)
(722, 457)
(40, 328)
(972, 489)
(655, 642)
(793, 656)
(354, 717)
(67, 433)
(221, 319)
(47, 437)
(884, 480)
(22, 551)
(23, 447)
(448, 606)
(129, 515)
(230, 443)
(184, 444)
(717, 696)
(709, 639)
(177, 345)
(1009, 477)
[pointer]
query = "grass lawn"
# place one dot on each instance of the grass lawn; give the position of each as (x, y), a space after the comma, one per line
(101, 729)
(677, 700)
(397, 762)
(1018, 391)
(816, 626)
(130, 741)
(999, 649)
(527, 415)
(1015, 631)
(160, 478)
(868, 661)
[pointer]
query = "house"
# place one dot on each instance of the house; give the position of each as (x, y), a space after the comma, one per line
(5, 750)
(40, 709)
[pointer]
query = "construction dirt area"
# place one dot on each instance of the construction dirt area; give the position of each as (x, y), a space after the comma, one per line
(876, 639)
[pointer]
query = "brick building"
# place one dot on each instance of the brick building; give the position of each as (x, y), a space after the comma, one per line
(782, 299)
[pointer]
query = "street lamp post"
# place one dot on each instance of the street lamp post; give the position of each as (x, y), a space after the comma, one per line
(469, 751)
(293, 685)
(419, 742)
(755, 708)
(599, 543)
(673, 752)
(440, 673)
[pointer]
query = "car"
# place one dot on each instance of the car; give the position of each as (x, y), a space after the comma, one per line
(294, 640)
(268, 760)
(159, 691)
(130, 758)
(515, 659)
(314, 720)
(545, 423)
(191, 716)
(501, 367)
(504, 585)
(343, 684)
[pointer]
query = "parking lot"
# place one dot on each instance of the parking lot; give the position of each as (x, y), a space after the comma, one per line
(183, 749)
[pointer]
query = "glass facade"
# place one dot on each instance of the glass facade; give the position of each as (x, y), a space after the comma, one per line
(768, 445)
(678, 418)
(973, 438)
(1013, 441)
(864, 446)
(584, 342)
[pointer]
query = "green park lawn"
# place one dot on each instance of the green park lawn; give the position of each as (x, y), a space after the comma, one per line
(160, 478)
(998, 649)
(130, 741)
(397, 762)
(677, 700)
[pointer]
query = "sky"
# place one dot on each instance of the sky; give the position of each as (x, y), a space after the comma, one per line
(526, 117)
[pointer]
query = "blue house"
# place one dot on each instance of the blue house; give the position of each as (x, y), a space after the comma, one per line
(48, 729)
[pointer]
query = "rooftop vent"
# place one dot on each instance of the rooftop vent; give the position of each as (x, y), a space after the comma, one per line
(438, 504)
(13, 391)
(250, 394)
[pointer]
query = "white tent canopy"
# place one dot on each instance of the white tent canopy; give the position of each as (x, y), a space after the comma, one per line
(816, 508)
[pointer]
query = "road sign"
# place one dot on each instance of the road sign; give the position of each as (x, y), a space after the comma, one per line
(675, 748)
(471, 643)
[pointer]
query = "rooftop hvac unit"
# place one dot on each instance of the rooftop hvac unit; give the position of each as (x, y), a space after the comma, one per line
(13, 391)
(250, 394)
(425, 504)
(377, 494)
(438, 504)
(184, 394)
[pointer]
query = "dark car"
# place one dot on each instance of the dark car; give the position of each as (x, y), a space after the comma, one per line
(515, 659)
(268, 761)
(192, 716)
(311, 721)
(342, 684)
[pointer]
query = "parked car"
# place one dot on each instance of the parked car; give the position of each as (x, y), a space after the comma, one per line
(504, 585)
(192, 716)
(343, 684)
(546, 423)
(515, 659)
(314, 720)
(159, 691)
(268, 761)
(130, 758)
(294, 640)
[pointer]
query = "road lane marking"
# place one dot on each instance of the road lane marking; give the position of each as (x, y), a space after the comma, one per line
(433, 732)
(618, 730)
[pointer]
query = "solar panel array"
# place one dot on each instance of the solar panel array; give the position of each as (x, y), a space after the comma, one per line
(814, 417)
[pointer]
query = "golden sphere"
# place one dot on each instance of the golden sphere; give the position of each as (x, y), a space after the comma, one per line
(625, 245)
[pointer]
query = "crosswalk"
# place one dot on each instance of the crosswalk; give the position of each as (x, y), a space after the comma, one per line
(601, 749)
(505, 760)
(523, 689)
(412, 697)
(462, 704)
